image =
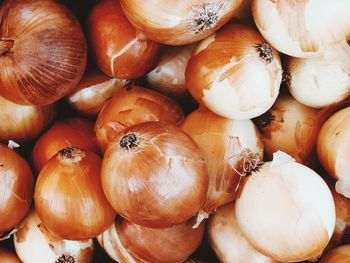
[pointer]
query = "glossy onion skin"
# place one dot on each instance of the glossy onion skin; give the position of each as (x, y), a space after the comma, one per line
(177, 22)
(77, 132)
(132, 106)
(16, 188)
(159, 182)
(49, 52)
(69, 199)
(118, 48)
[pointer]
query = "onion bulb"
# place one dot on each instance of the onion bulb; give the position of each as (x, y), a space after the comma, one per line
(235, 73)
(68, 195)
(286, 210)
(119, 49)
(333, 149)
(131, 243)
(42, 52)
(34, 243)
(339, 254)
(77, 132)
(288, 126)
(134, 105)
(16, 188)
(23, 122)
(94, 89)
(302, 28)
(215, 137)
(319, 82)
(178, 22)
(176, 182)
(8, 257)
(227, 240)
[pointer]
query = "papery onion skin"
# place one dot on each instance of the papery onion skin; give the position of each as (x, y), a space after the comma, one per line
(24, 122)
(179, 22)
(176, 182)
(33, 243)
(339, 254)
(286, 210)
(69, 198)
(214, 135)
(8, 257)
(219, 73)
(48, 53)
(75, 131)
(134, 105)
(16, 188)
(124, 52)
(303, 28)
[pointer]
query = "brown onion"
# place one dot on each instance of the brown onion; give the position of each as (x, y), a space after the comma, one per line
(179, 22)
(339, 254)
(119, 49)
(77, 132)
(8, 257)
(134, 105)
(23, 122)
(42, 51)
(128, 242)
(68, 195)
(154, 175)
(16, 188)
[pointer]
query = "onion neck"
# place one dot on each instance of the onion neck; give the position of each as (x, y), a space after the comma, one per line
(205, 17)
(66, 259)
(6, 45)
(129, 141)
(265, 52)
(71, 154)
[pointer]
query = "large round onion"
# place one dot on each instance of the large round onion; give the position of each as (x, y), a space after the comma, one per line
(42, 51)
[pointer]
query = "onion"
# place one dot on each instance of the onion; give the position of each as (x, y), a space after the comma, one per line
(34, 243)
(169, 75)
(128, 242)
(290, 127)
(23, 123)
(8, 257)
(77, 132)
(333, 149)
(125, 52)
(68, 196)
(302, 28)
(176, 182)
(134, 105)
(286, 210)
(219, 74)
(42, 52)
(320, 82)
(215, 137)
(340, 254)
(227, 240)
(16, 188)
(178, 22)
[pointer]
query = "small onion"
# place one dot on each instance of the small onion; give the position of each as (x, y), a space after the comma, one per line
(319, 82)
(219, 73)
(77, 132)
(134, 105)
(286, 210)
(118, 48)
(178, 22)
(339, 254)
(23, 122)
(42, 51)
(69, 198)
(130, 243)
(8, 257)
(154, 175)
(288, 126)
(227, 240)
(302, 28)
(16, 188)
(34, 243)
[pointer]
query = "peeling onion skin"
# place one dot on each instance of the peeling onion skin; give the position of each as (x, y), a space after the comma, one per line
(34, 243)
(118, 48)
(179, 22)
(219, 73)
(339, 254)
(134, 105)
(8, 257)
(302, 28)
(176, 182)
(47, 55)
(16, 188)
(23, 123)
